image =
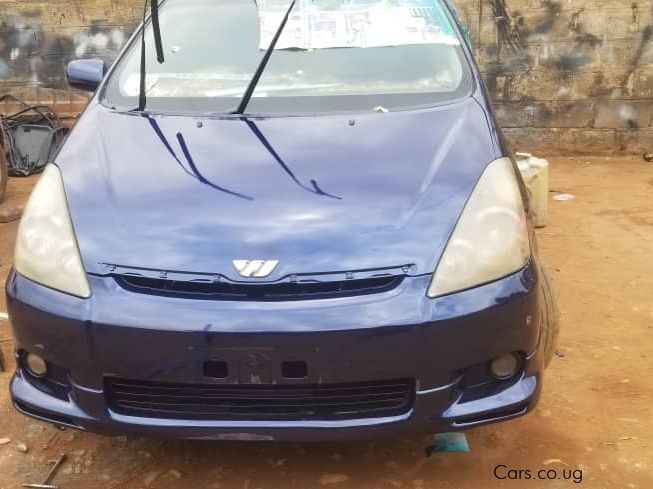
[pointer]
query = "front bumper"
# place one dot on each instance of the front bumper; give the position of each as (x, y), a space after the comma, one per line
(440, 344)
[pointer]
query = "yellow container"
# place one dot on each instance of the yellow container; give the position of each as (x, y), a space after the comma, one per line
(535, 172)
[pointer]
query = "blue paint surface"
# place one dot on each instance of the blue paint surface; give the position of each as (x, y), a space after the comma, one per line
(166, 196)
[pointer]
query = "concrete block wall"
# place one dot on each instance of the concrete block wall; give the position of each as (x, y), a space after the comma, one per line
(38, 38)
(566, 76)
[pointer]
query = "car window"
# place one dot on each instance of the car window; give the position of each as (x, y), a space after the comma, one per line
(333, 55)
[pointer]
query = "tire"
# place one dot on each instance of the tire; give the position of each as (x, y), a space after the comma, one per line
(551, 316)
(3, 174)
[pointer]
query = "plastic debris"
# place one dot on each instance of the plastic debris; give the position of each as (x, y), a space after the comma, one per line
(563, 197)
(4, 441)
(628, 420)
(560, 354)
(328, 479)
(535, 173)
(554, 461)
(448, 442)
(21, 447)
(380, 109)
(648, 157)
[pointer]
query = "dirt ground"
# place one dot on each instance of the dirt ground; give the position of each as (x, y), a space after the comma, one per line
(595, 414)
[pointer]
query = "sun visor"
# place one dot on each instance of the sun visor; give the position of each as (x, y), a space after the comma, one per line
(323, 24)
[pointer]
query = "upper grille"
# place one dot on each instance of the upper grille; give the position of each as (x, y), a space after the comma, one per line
(260, 402)
(277, 291)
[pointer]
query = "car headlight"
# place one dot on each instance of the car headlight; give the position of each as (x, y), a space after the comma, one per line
(490, 240)
(46, 249)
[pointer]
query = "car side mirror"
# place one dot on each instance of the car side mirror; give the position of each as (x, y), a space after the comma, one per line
(85, 74)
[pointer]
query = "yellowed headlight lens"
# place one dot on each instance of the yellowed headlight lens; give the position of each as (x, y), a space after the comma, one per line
(46, 249)
(490, 240)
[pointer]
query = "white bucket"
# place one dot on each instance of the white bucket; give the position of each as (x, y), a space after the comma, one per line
(535, 172)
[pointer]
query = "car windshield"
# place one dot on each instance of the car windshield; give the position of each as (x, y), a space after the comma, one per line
(333, 55)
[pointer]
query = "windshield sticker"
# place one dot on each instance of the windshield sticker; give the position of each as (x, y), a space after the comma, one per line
(321, 24)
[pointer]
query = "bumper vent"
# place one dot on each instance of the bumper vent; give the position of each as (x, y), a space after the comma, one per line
(280, 291)
(260, 402)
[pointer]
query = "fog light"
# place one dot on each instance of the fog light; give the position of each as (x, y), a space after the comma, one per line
(505, 366)
(36, 365)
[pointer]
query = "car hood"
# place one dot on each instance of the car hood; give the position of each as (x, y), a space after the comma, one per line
(319, 194)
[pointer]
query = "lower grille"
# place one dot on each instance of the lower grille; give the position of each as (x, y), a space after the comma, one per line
(260, 402)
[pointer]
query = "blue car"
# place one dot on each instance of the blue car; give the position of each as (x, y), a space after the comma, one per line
(280, 221)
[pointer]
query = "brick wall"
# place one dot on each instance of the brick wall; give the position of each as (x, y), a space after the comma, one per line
(565, 75)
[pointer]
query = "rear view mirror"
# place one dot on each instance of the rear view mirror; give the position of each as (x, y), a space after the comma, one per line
(85, 74)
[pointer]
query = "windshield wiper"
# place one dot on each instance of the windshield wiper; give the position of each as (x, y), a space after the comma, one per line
(158, 44)
(261, 67)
